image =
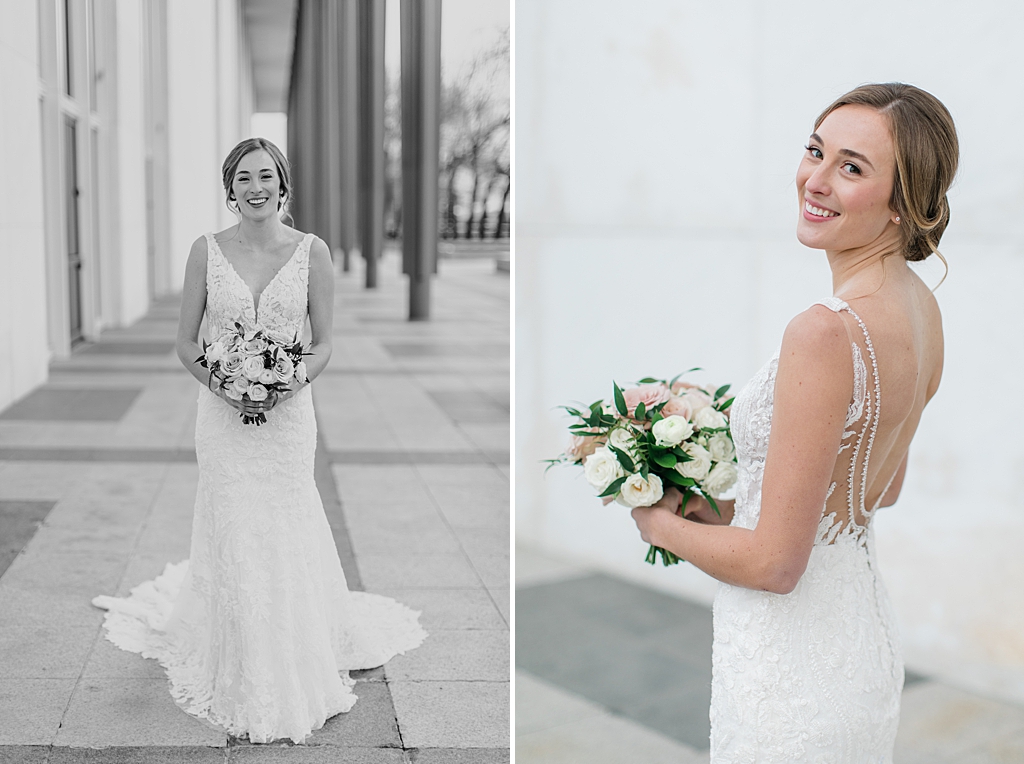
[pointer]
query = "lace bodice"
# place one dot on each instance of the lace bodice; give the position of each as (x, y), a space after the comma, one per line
(814, 675)
(282, 305)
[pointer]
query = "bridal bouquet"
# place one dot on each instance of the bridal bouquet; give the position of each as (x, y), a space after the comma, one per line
(655, 433)
(250, 364)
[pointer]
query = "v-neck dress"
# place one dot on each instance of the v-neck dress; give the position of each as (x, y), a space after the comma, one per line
(257, 630)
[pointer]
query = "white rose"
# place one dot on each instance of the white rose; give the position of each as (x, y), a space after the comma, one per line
(300, 372)
(253, 367)
(240, 385)
(622, 439)
(232, 393)
(699, 464)
(284, 368)
(257, 393)
(637, 492)
(267, 377)
(721, 479)
(255, 346)
(280, 338)
(720, 447)
(602, 468)
(672, 431)
(231, 364)
(709, 419)
(215, 351)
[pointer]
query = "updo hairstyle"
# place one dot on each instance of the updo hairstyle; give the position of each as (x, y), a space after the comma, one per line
(284, 172)
(927, 153)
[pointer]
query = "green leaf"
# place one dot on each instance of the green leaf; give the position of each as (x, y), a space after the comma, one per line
(641, 411)
(571, 410)
(620, 401)
(686, 498)
(648, 381)
(644, 471)
(675, 477)
(664, 460)
(711, 501)
(613, 488)
(623, 458)
(727, 404)
(656, 417)
(683, 456)
(721, 391)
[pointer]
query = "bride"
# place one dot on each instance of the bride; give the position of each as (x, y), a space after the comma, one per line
(806, 659)
(257, 629)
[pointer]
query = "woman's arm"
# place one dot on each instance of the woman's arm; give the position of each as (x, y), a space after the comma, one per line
(321, 308)
(813, 387)
(193, 306)
(321, 314)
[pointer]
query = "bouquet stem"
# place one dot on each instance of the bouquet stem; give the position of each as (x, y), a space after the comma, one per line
(667, 558)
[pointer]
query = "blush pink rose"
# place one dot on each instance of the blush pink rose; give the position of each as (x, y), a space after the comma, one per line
(582, 446)
(649, 395)
(687, 404)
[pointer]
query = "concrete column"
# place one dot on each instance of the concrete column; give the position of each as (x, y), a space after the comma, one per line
(421, 98)
(348, 90)
(371, 135)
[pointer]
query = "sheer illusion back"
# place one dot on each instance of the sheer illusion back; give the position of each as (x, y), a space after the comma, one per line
(814, 675)
(855, 477)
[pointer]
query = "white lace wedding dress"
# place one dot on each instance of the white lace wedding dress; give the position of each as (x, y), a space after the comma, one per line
(814, 675)
(257, 629)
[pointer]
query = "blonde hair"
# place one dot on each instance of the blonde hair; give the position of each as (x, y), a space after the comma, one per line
(927, 153)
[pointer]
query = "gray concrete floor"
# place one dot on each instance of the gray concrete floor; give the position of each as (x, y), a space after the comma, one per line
(97, 482)
(608, 672)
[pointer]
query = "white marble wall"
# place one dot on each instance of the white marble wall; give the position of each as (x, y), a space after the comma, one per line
(656, 144)
(24, 347)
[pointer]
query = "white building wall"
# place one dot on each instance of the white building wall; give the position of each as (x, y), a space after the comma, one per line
(193, 131)
(131, 163)
(656, 145)
(24, 345)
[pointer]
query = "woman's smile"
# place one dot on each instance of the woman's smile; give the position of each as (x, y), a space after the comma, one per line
(818, 214)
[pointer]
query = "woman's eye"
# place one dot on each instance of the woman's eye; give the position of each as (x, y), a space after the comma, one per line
(814, 151)
(851, 168)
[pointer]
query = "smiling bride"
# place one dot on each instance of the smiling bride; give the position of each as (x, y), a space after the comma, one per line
(806, 660)
(257, 630)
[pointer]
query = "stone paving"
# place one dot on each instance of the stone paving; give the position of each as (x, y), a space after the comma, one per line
(608, 672)
(97, 482)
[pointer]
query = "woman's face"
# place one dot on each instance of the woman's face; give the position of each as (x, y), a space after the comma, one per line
(256, 185)
(844, 181)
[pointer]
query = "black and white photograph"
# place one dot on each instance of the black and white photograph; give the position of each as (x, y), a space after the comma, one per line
(255, 381)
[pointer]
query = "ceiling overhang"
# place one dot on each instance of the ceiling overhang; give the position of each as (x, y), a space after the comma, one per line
(270, 28)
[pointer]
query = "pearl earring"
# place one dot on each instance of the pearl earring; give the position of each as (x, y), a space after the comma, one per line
(897, 218)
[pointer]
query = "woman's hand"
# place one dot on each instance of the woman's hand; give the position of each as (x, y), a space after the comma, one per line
(699, 510)
(649, 519)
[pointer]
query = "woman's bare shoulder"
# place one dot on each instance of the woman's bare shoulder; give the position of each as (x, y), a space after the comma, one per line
(226, 234)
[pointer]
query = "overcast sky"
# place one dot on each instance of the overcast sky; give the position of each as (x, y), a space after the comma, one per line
(467, 27)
